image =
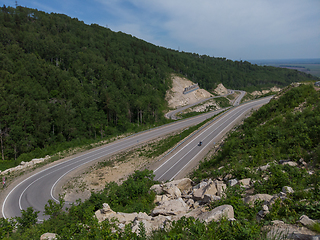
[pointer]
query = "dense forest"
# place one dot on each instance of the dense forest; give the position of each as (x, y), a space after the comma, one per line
(61, 80)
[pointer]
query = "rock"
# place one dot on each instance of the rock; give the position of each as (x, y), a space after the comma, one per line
(107, 213)
(277, 222)
(227, 177)
(245, 182)
(287, 189)
(264, 168)
(22, 163)
(262, 213)
(172, 190)
(156, 188)
(200, 185)
(306, 221)
(190, 202)
(125, 218)
(263, 197)
(220, 188)
(196, 212)
(105, 208)
(37, 160)
(232, 182)
(209, 198)
(196, 205)
(221, 90)
(142, 216)
(217, 213)
(210, 188)
(287, 231)
(184, 184)
(290, 163)
(48, 236)
(160, 198)
(172, 207)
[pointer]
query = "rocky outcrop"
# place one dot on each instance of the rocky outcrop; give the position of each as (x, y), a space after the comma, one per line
(213, 188)
(24, 165)
(180, 198)
(171, 207)
(221, 90)
(217, 213)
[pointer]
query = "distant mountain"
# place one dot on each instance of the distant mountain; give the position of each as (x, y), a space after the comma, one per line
(61, 79)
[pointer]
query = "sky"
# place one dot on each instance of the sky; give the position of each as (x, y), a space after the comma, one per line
(234, 29)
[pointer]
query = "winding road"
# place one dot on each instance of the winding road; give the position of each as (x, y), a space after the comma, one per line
(35, 190)
(183, 157)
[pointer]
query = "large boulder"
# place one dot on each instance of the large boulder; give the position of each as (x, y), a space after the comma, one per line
(210, 188)
(172, 207)
(184, 184)
(213, 188)
(217, 213)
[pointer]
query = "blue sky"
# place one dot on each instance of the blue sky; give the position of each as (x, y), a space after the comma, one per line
(235, 29)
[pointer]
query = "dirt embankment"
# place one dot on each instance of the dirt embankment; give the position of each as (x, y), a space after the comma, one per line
(176, 98)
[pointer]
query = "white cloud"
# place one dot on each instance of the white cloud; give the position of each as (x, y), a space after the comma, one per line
(228, 25)
(230, 28)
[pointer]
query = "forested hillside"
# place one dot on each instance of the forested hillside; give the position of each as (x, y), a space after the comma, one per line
(61, 79)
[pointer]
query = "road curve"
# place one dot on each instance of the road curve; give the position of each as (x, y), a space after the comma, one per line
(36, 190)
(172, 114)
(190, 151)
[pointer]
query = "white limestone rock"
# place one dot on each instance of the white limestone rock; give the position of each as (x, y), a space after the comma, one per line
(287, 189)
(171, 207)
(306, 221)
(217, 213)
(263, 197)
(48, 236)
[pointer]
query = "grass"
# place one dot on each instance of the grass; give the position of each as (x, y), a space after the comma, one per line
(315, 227)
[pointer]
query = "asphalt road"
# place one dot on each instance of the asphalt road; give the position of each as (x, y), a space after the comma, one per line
(36, 190)
(179, 159)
